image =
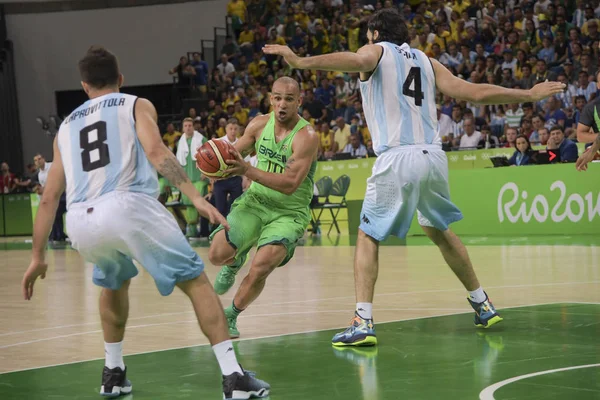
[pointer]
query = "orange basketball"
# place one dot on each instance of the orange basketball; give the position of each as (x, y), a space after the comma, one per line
(211, 157)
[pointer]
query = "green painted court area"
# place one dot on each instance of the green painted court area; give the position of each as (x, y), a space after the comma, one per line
(430, 358)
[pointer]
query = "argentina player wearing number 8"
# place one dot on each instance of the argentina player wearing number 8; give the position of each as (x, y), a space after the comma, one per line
(398, 87)
(107, 153)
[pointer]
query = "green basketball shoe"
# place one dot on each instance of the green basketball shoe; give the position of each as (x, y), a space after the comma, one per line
(226, 276)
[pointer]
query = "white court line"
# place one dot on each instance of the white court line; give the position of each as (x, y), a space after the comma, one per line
(46, 339)
(274, 336)
(488, 392)
(319, 299)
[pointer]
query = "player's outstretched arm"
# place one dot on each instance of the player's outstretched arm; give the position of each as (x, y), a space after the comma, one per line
(365, 60)
(304, 152)
(483, 93)
(165, 161)
(55, 186)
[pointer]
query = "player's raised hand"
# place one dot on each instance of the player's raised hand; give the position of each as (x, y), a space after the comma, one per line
(208, 211)
(288, 55)
(36, 268)
(237, 166)
(546, 89)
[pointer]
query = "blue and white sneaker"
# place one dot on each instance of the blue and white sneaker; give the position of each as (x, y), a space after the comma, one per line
(361, 332)
(485, 313)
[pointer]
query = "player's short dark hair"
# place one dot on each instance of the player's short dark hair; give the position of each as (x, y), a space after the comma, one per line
(390, 25)
(99, 68)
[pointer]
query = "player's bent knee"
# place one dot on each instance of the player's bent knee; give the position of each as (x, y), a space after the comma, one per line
(220, 252)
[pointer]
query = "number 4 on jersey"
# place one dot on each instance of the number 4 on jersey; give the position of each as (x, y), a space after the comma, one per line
(414, 75)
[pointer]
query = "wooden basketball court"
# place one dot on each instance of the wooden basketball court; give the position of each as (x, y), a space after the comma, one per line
(547, 289)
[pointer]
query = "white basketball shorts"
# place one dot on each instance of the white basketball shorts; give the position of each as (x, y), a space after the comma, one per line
(407, 179)
(119, 227)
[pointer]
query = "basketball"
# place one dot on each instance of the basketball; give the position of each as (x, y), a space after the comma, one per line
(211, 157)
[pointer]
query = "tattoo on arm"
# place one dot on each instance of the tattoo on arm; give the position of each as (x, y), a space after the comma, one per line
(170, 169)
(291, 161)
(597, 138)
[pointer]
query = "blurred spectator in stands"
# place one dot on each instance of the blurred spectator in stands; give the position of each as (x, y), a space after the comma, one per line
(554, 116)
(315, 107)
(28, 181)
(342, 133)
(240, 114)
(58, 232)
(526, 127)
(328, 145)
(513, 116)
(567, 148)
(170, 138)
(511, 137)
(488, 141)
(538, 123)
(43, 167)
(509, 62)
(236, 9)
(547, 53)
(184, 72)
(528, 80)
(566, 97)
(457, 121)
(355, 147)
(444, 121)
(198, 126)
(325, 93)
(452, 59)
(225, 191)
(579, 104)
(226, 69)
(471, 137)
(542, 74)
(201, 77)
(585, 87)
(507, 78)
(306, 116)
(544, 135)
(522, 154)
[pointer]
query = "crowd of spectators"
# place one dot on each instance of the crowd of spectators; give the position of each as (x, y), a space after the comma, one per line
(515, 44)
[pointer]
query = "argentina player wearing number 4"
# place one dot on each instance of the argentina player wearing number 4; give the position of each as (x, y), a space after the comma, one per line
(107, 153)
(398, 87)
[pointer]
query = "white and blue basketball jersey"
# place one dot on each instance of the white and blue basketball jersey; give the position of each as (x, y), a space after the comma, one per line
(399, 99)
(101, 152)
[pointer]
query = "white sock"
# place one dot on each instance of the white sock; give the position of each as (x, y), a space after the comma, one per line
(365, 310)
(226, 358)
(477, 295)
(114, 355)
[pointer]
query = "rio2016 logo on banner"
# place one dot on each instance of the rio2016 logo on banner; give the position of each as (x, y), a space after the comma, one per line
(576, 207)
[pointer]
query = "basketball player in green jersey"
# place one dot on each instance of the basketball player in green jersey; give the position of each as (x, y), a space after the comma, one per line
(273, 213)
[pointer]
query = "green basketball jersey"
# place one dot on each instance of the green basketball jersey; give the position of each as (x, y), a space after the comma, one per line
(272, 156)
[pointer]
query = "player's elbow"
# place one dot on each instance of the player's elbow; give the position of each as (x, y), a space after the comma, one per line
(475, 96)
(290, 187)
